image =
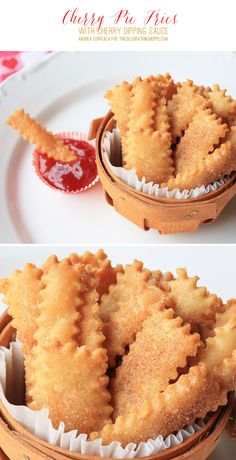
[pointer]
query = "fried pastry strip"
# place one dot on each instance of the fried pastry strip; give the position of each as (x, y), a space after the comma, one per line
(162, 346)
(101, 266)
(224, 106)
(74, 390)
(149, 153)
(119, 98)
(183, 106)
(219, 355)
(129, 302)
(147, 140)
(22, 296)
(204, 91)
(109, 303)
(216, 165)
(90, 326)
(161, 120)
(167, 85)
(61, 325)
(190, 398)
(194, 304)
(33, 132)
(228, 313)
(145, 97)
(204, 131)
(161, 280)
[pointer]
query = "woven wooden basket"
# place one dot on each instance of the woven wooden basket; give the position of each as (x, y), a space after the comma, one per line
(163, 214)
(18, 444)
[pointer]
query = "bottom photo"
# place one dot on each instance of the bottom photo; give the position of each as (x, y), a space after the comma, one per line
(117, 352)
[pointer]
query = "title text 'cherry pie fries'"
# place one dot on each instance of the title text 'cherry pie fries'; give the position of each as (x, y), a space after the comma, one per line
(102, 361)
(166, 152)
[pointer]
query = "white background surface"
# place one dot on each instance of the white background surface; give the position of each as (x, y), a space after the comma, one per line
(66, 93)
(203, 24)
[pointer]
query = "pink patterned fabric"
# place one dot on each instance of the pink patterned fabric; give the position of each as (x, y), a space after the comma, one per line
(12, 61)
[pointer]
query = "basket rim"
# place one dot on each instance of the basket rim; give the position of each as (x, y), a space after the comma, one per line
(109, 118)
(216, 420)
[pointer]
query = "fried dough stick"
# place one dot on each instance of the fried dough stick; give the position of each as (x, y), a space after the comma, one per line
(191, 397)
(64, 338)
(228, 313)
(217, 165)
(192, 303)
(161, 347)
(222, 104)
(204, 132)
(129, 302)
(219, 355)
(119, 99)
(33, 132)
(22, 296)
(148, 140)
(101, 267)
(166, 84)
(183, 106)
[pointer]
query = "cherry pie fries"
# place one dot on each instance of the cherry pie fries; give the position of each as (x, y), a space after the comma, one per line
(121, 353)
(177, 135)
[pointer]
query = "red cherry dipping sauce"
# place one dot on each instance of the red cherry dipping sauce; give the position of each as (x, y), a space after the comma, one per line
(72, 177)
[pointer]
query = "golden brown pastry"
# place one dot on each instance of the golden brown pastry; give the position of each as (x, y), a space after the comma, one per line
(171, 345)
(177, 135)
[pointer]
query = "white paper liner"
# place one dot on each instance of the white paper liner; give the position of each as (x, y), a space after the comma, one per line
(39, 424)
(112, 150)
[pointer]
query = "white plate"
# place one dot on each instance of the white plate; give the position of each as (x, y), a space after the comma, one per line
(218, 277)
(66, 92)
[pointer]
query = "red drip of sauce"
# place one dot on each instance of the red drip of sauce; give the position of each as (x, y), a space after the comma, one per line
(70, 177)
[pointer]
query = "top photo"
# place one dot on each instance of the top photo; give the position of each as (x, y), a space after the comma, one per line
(118, 147)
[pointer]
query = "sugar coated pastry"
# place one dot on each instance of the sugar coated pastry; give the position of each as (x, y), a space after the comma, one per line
(177, 135)
(33, 132)
(121, 353)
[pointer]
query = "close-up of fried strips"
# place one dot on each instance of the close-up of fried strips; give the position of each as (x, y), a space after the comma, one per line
(73, 344)
(219, 354)
(120, 98)
(183, 106)
(178, 135)
(162, 346)
(22, 296)
(215, 166)
(222, 104)
(33, 132)
(203, 133)
(170, 345)
(56, 314)
(202, 389)
(129, 302)
(190, 398)
(148, 130)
